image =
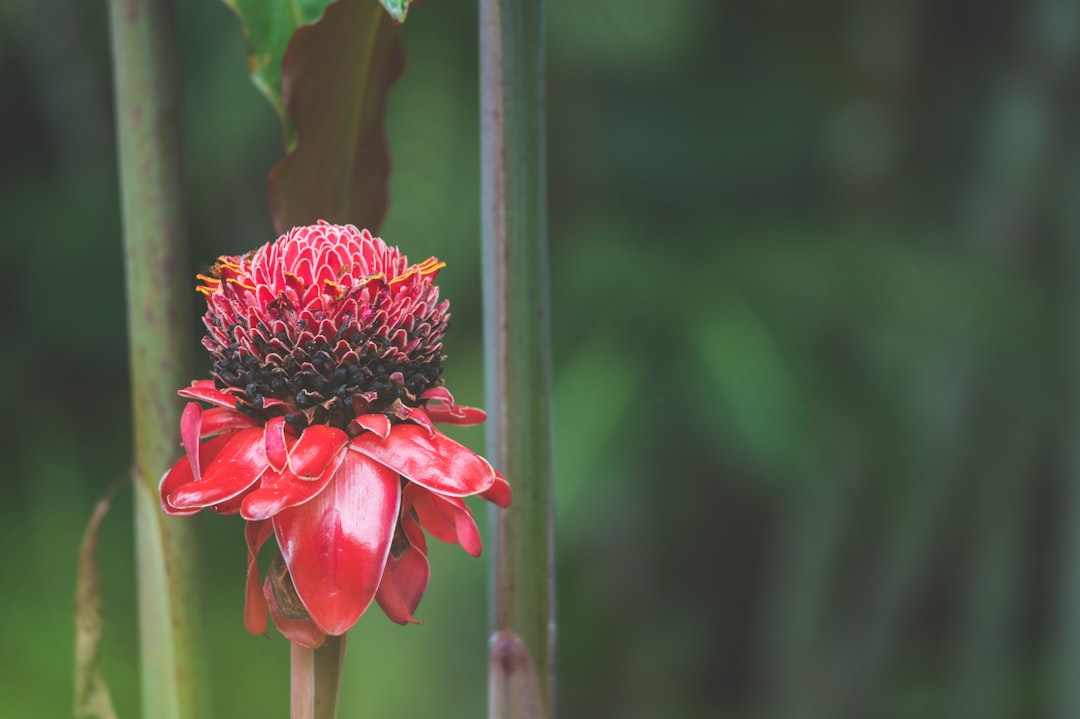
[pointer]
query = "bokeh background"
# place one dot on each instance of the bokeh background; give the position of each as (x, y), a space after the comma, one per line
(816, 288)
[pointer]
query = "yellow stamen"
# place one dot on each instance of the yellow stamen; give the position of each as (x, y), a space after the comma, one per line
(407, 275)
(330, 284)
(296, 277)
(430, 265)
(238, 283)
(427, 267)
(371, 278)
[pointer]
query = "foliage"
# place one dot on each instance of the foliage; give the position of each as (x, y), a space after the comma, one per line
(814, 283)
(326, 68)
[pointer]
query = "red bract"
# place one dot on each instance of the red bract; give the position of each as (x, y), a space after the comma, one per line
(320, 431)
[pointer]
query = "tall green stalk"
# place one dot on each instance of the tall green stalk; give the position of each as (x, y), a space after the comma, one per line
(315, 679)
(159, 322)
(517, 354)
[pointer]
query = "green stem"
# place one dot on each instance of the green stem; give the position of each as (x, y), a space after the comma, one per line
(517, 354)
(315, 680)
(301, 682)
(159, 322)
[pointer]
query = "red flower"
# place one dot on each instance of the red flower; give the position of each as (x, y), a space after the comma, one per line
(327, 351)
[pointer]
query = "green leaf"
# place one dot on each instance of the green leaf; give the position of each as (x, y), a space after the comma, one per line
(268, 27)
(398, 9)
(326, 67)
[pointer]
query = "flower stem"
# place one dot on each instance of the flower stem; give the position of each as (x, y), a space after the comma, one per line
(159, 321)
(301, 682)
(315, 680)
(517, 354)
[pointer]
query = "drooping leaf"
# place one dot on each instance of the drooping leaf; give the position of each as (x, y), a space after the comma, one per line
(326, 67)
(92, 698)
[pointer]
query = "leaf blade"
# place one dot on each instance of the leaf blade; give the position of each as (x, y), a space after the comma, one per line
(336, 76)
(268, 27)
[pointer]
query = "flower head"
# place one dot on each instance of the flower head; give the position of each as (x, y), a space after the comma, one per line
(327, 351)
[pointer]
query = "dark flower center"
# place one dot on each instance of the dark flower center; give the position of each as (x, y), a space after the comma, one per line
(317, 388)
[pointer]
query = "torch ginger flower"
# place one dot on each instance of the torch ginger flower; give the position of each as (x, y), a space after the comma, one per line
(327, 352)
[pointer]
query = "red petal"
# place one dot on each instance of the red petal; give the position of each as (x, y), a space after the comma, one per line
(279, 492)
(455, 414)
(277, 446)
(221, 419)
(336, 545)
(177, 476)
(439, 394)
(205, 390)
(190, 424)
(377, 423)
(180, 474)
(436, 462)
(499, 492)
(298, 631)
(448, 519)
(403, 584)
(256, 534)
(235, 468)
(420, 417)
(232, 506)
(318, 451)
(445, 411)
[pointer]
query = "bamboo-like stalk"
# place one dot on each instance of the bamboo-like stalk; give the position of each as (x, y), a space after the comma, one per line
(315, 679)
(159, 323)
(517, 354)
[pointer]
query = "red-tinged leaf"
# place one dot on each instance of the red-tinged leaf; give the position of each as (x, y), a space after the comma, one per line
(335, 78)
(433, 461)
(336, 545)
(269, 26)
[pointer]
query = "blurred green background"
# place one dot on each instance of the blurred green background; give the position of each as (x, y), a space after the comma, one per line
(816, 287)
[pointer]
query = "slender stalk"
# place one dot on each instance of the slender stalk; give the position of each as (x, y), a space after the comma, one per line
(159, 319)
(315, 679)
(301, 682)
(517, 354)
